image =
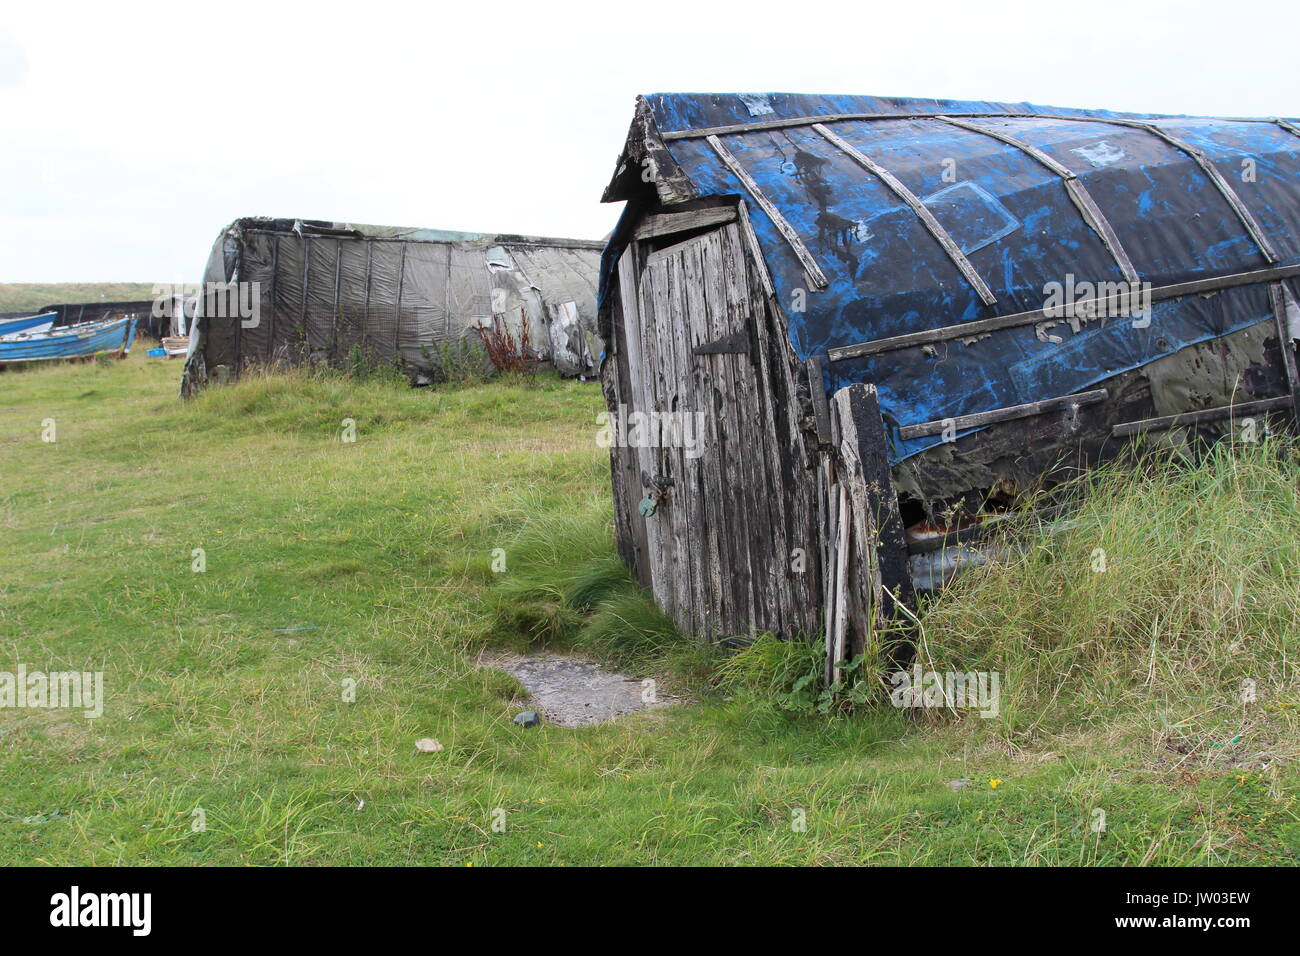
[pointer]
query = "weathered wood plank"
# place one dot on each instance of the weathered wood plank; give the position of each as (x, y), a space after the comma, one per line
(780, 495)
(831, 526)
(632, 395)
(1203, 416)
(798, 464)
(710, 308)
(755, 250)
(817, 392)
(1006, 414)
(713, 501)
(770, 584)
(693, 492)
(680, 494)
(669, 567)
(725, 302)
(883, 575)
(1278, 293)
(661, 584)
(843, 546)
(667, 223)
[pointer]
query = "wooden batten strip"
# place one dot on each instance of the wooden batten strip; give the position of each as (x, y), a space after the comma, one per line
(919, 208)
(831, 562)
(1061, 170)
(1078, 193)
(1278, 293)
(820, 404)
(1101, 225)
(755, 250)
(1212, 173)
(1201, 159)
(841, 621)
(1288, 126)
(1009, 413)
(758, 126)
(816, 278)
(1020, 319)
(1204, 415)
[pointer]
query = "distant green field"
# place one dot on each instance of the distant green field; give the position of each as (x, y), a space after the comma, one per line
(19, 296)
(228, 736)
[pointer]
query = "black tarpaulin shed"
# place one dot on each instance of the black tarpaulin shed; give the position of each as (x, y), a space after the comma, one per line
(326, 291)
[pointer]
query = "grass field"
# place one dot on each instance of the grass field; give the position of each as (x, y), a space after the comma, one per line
(227, 737)
(21, 296)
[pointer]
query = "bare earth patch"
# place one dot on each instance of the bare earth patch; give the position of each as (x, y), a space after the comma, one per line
(572, 692)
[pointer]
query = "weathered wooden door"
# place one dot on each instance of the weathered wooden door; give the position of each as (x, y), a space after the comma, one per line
(718, 543)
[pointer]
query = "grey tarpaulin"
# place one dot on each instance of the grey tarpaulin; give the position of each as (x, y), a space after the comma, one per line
(326, 291)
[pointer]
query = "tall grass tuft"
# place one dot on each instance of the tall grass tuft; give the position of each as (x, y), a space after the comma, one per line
(565, 587)
(1174, 588)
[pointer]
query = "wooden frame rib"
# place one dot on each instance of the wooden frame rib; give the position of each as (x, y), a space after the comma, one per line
(1020, 319)
(1201, 416)
(1007, 414)
(816, 278)
(1288, 126)
(1211, 172)
(1078, 193)
(1279, 295)
(919, 208)
(755, 250)
(760, 125)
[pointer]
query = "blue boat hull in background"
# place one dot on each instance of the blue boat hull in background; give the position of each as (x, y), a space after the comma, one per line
(71, 342)
(27, 323)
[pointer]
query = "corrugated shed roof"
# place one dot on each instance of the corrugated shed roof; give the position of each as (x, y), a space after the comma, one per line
(1023, 195)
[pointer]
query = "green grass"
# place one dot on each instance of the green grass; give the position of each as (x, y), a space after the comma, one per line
(21, 296)
(372, 562)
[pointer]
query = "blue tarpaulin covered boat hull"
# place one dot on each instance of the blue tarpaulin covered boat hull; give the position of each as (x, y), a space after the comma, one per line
(1178, 199)
(73, 342)
(858, 328)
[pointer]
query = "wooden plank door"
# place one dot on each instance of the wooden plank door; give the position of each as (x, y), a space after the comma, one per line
(716, 564)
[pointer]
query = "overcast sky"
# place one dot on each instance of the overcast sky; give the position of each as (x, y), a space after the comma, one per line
(133, 132)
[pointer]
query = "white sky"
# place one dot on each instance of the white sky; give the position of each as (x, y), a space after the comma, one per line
(133, 132)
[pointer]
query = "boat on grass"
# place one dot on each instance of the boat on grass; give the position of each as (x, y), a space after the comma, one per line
(74, 341)
(27, 323)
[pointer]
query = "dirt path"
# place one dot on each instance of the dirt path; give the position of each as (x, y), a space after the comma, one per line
(573, 692)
